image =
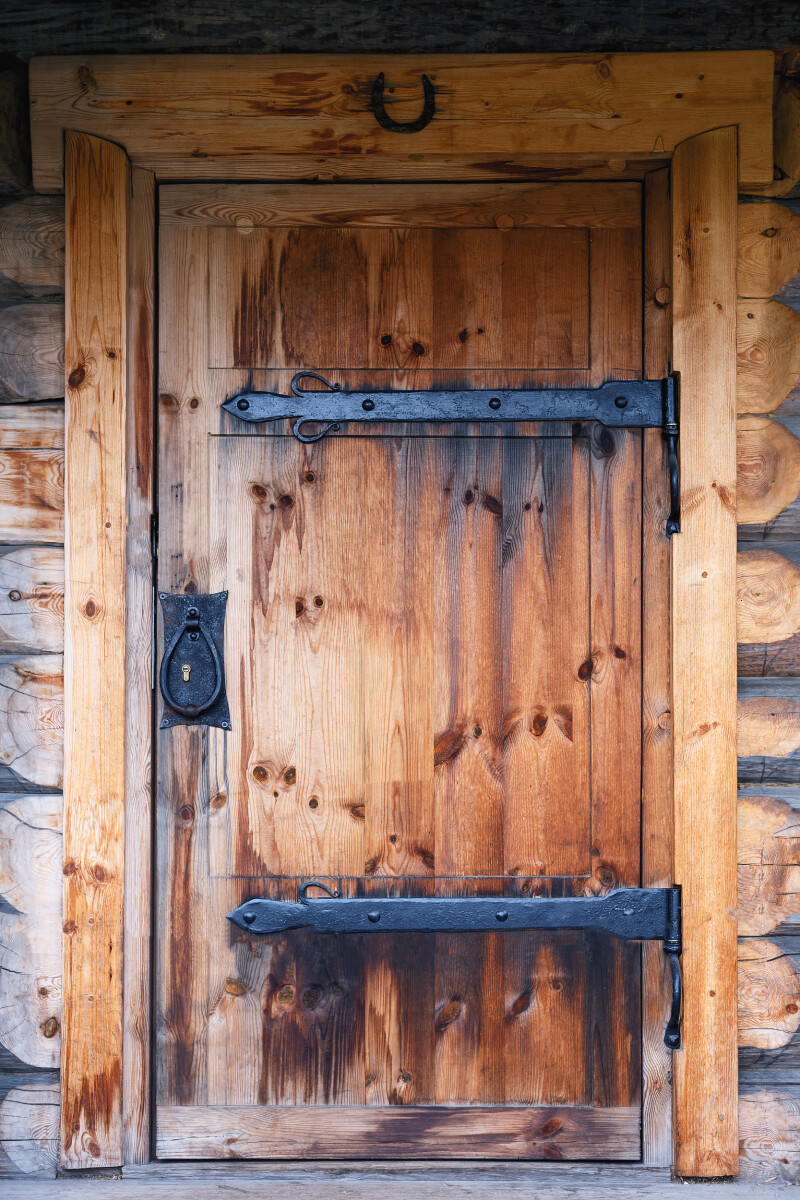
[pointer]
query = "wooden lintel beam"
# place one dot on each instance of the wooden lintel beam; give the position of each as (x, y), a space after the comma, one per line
(300, 115)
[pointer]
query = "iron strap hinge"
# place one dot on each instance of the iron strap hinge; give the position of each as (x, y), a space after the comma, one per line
(635, 914)
(627, 404)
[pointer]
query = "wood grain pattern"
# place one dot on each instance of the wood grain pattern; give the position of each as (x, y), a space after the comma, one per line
(97, 193)
(785, 139)
(703, 649)
(767, 597)
(769, 864)
(656, 669)
(768, 248)
(767, 469)
(32, 718)
(316, 106)
(32, 426)
(29, 1120)
(137, 1016)
(767, 354)
(769, 995)
(768, 725)
(475, 206)
(32, 242)
(769, 1129)
(30, 928)
(31, 496)
(32, 352)
(411, 1132)
(32, 600)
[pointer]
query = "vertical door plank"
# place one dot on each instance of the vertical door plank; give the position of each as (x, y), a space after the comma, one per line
(401, 496)
(704, 648)
(185, 755)
(546, 755)
(468, 760)
(97, 197)
(657, 1148)
(139, 661)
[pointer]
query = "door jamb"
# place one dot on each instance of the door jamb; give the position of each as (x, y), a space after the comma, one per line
(107, 803)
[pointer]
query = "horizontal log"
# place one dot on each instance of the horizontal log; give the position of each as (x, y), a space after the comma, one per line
(769, 864)
(32, 600)
(32, 426)
(29, 1125)
(768, 248)
(767, 354)
(768, 996)
(767, 597)
(767, 469)
(31, 496)
(768, 726)
(15, 141)
(32, 242)
(32, 352)
(30, 938)
(769, 1136)
(32, 717)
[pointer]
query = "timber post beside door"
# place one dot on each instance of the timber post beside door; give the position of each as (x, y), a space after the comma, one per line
(704, 649)
(100, 286)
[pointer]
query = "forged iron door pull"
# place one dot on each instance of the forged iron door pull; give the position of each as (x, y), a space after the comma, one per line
(382, 117)
(635, 914)
(193, 682)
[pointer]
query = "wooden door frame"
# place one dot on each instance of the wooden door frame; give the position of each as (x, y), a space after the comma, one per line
(106, 130)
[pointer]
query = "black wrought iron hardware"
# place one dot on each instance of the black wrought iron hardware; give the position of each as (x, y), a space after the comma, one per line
(192, 675)
(631, 404)
(635, 914)
(382, 117)
(671, 430)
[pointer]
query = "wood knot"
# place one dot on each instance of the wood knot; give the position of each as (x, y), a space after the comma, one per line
(447, 1014)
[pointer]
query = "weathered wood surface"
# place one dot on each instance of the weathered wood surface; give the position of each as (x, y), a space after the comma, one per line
(32, 244)
(289, 1132)
(30, 928)
(31, 496)
(768, 996)
(15, 139)
(703, 648)
(251, 206)
(769, 1132)
(32, 600)
(32, 352)
(137, 1028)
(767, 469)
(32, 718)
(29, 1114)
(769, 863)
(768, 248)
(767, 354)
(656, 690)
(767, 597)
(255, 109)
(32, 426)
(98, 189)
(768, 726)
(785, 139)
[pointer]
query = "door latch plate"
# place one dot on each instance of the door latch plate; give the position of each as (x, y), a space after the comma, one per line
(192, 675)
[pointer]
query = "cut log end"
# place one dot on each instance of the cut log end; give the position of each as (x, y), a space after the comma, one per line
(768, 469)
(767, 597)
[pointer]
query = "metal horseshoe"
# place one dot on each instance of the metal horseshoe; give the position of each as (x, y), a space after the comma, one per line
(383, 118)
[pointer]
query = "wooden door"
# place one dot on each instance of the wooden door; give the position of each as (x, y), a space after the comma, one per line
(434, 668)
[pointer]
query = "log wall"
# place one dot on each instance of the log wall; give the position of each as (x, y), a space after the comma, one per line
(31, 670)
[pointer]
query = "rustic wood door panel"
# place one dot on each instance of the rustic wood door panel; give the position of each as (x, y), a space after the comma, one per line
(433, 662)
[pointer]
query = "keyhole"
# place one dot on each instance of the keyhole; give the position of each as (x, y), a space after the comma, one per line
(186, 671)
